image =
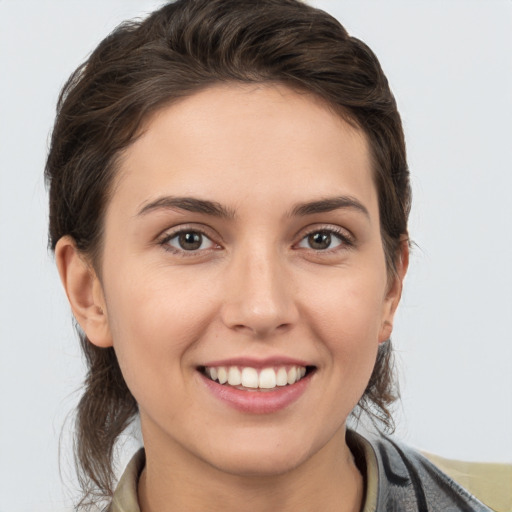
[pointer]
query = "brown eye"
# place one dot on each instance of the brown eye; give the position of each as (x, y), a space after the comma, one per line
(319, 240)
(322, 240)
(189, 241)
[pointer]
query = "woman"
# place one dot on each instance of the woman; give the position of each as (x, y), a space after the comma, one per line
(229, 197)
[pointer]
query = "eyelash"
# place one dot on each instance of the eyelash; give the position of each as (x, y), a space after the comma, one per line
(164, 242)
(346, 242)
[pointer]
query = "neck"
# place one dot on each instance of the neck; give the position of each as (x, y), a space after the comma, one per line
(328, 480)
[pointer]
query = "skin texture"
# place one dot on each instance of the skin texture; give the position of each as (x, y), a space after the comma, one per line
(255, 288)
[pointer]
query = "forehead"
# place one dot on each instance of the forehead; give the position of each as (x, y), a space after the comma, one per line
(244, 142)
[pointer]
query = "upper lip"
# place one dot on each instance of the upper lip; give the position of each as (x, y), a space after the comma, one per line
(258, 362)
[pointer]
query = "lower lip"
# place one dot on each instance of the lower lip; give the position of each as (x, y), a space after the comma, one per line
(258, 402)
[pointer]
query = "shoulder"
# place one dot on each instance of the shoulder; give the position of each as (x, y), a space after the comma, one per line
(489, 482)
(407, 481)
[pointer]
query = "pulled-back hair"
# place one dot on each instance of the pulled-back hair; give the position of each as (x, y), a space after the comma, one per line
(178, 50)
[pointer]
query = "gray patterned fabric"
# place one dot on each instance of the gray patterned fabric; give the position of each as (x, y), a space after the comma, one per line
(407, 481)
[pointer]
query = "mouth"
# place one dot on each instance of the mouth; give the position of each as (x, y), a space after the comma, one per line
(247, 378)
(257, 386)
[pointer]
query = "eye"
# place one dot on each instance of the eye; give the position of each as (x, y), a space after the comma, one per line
(323, 240)
(189, 241)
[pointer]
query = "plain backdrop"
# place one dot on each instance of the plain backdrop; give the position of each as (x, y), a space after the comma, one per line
(449, 65)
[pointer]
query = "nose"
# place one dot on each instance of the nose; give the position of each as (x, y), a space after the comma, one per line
(259, 295)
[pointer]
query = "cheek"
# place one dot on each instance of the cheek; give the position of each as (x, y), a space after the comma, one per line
(347, 305)
(154, 326)
(156, 306)
(346, 316)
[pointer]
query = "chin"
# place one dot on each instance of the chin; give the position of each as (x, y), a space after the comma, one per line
(262, 456)
(259, 463)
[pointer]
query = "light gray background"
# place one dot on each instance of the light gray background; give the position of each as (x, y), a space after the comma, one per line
(449, 65)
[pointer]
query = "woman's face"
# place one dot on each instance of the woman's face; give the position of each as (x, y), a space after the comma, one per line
(242, 241)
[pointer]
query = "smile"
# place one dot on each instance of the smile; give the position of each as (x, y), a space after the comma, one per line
(257, 387)
(252, 379)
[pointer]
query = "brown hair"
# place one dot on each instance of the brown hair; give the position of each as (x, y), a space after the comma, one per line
(176, 51)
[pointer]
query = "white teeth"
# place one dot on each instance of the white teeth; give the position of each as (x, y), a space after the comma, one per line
(251, 378)
(267, 378)
(282, 376)
(222, 375)
(234, 376)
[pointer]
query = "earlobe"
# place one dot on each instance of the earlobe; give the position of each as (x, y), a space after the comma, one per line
(394, 292)
(385, 331)
(84, 292)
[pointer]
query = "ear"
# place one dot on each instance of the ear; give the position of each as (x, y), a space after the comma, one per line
(84, 291)
(394, 291)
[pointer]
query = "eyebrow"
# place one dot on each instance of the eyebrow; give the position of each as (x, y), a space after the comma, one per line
(190, 204)
(328, 205)
(195, 205)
